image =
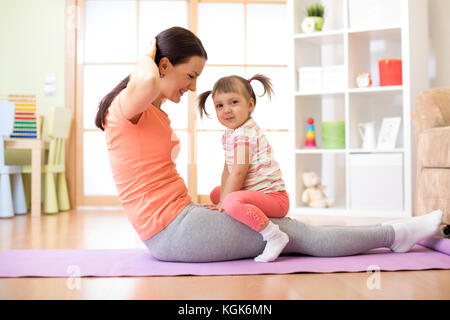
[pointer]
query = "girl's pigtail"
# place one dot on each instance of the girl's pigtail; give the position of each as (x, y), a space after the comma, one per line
(202, 103)
(266, 82)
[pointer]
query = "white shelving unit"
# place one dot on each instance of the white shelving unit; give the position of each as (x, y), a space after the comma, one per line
(356, 35)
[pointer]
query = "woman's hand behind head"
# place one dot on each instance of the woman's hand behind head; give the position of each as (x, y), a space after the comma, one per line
(152, 49)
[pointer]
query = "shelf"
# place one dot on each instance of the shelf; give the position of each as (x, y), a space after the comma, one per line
(333, 211)
(360, 33)
(350, 151)
(376, 89)
(395, 150)
(317, 93)
(342, 212)
(320, 38)
(377, 33)
(351, 90)
(319, 151)
(336, 36)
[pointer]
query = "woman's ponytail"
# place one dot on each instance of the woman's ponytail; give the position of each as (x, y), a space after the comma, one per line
(106, 102)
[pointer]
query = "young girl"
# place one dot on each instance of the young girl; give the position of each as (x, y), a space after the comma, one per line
(252, 187)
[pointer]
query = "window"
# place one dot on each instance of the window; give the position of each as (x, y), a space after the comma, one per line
(238, 39)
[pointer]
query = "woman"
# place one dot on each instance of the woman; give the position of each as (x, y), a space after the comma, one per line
(142, 148)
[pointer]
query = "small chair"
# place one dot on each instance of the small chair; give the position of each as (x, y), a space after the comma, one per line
(11, 201)
(56, 197)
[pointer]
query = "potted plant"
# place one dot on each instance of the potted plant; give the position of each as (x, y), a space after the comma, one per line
(314, 20)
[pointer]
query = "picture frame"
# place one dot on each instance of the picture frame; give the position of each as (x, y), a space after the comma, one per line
(387, 137)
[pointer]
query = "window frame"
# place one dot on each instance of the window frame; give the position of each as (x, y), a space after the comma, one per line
(74, 79)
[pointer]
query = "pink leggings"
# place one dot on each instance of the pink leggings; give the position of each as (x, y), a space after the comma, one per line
(253, 208)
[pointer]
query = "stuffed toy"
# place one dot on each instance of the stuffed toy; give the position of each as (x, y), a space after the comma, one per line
(313, 194)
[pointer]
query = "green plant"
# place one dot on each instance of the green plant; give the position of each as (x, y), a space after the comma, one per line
(315, 10)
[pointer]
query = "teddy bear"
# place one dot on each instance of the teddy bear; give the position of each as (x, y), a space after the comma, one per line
(313, 194)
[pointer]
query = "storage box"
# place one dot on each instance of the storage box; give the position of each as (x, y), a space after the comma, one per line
(376, 181)
(310, 79)
(373, 13)
(390, 72)
(333, 78)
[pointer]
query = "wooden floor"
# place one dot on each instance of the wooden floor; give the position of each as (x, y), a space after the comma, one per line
(111, 229)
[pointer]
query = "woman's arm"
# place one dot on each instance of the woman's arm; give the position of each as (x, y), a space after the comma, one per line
(238, 173)
(225, 175)
(143, 87)
(233, 181)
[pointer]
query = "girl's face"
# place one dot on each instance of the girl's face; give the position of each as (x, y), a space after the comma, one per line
(180, 78)
(232, 108)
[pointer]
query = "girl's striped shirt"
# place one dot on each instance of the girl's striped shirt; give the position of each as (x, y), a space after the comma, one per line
(264, 174)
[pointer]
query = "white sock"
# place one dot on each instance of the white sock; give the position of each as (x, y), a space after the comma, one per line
(276, 241)
(409, 232)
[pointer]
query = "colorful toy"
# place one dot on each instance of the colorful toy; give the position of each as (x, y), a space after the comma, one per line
(310, 141)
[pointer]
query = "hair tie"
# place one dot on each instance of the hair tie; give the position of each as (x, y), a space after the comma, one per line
(249, 80)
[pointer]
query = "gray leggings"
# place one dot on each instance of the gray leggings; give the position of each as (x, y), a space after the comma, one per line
(202, 235)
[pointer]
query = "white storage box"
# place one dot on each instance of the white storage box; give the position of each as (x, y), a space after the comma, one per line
(376, 181)
(373, 13)
(310, 79)
(333, 78)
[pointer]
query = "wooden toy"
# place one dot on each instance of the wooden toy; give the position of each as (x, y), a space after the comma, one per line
(310, 140)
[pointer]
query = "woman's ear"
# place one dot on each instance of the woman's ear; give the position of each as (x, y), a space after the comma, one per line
(163, 66)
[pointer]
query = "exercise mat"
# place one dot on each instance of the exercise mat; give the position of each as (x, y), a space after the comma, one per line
(431, 253)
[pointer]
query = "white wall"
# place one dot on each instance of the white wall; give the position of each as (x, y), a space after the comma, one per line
(32, 44)
(439, 35)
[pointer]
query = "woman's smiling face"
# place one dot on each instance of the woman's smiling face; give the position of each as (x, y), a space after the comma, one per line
(180, 78)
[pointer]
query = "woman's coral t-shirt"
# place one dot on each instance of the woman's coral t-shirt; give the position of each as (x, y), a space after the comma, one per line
(142, 158)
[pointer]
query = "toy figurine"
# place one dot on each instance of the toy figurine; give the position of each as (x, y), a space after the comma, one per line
(310, 141)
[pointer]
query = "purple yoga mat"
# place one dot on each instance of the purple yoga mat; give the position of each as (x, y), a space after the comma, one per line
(139, 262)
(437, 243)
